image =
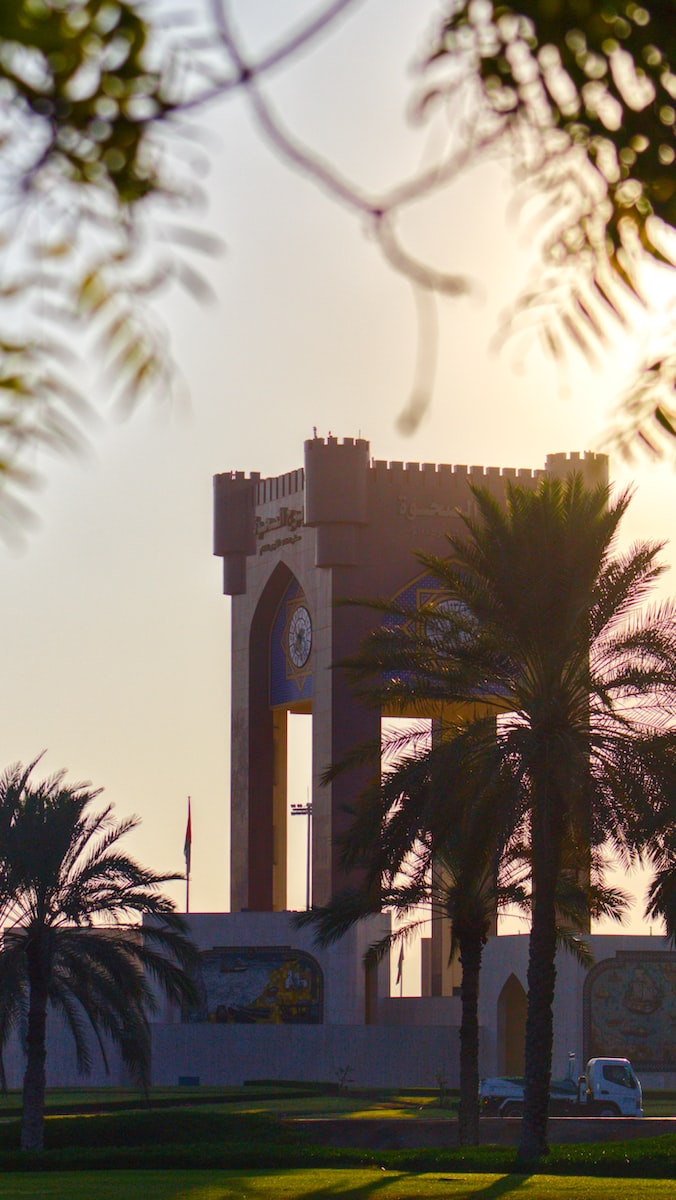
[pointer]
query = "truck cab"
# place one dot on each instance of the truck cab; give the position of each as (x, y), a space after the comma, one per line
(610, 1088)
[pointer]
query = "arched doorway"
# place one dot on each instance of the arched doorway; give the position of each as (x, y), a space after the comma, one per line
(511, 1027)
(280, 673)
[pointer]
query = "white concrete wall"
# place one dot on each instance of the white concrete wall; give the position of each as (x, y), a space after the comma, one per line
(412, 1054)
(415, 1040)
(341, 964)
(415, 1011)
(61, 1065)
(233, 1054)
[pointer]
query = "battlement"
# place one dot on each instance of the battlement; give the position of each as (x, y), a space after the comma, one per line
(277, 487)
(340, 490)
(235, 477)
(594, 468)
(577, 458)
(411, 472)
(316, 443)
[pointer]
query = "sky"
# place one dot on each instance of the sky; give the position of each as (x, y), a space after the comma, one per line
(116, 632)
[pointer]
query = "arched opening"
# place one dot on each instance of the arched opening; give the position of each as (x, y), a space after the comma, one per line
(511, 1027)
(280, 674)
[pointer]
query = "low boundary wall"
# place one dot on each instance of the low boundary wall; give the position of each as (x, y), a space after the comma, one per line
(378, 1056)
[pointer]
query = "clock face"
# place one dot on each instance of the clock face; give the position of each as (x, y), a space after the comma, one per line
(436, 629)
(300, 636)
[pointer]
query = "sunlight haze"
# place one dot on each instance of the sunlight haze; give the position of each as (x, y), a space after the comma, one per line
(116, 631)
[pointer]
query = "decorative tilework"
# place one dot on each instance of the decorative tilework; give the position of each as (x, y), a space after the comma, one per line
(288, 683)
(258, 985)
(630, 1009)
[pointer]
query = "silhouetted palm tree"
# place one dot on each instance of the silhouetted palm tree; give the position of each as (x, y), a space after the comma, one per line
(439, 838)
(541, 628)
(661, 898)
(414, 847)
(68, 897)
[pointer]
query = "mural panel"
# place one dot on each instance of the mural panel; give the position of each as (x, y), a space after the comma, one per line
(630, 1009)
(258, 985)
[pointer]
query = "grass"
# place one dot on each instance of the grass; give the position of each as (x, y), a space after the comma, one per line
(64, 1100)
(199, 1145)
(199, 1139)
(352, 1184)
(279, 1099)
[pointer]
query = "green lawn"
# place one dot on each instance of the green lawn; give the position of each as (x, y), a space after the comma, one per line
(353, 1184)
(222, 1150)
(296, 1100)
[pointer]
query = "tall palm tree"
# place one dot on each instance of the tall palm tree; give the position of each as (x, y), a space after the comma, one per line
(440, 836)
(542, 627)
(661, 898)
(449, 857)
(70, 900)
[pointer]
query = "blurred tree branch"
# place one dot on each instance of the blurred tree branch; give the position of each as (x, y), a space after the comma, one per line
(587, 95)
(580, 100)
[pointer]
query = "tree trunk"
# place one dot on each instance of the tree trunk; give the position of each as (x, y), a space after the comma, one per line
(546, 844)
(471, 949)
(33, 1110)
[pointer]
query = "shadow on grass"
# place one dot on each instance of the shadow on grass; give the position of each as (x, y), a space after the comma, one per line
(502, 1186)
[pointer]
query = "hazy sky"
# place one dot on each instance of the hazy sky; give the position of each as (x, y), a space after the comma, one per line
(116, 632)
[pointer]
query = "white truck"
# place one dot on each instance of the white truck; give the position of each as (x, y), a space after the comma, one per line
(609, 1088)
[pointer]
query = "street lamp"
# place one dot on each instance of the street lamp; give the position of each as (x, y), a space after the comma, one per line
(305, 810)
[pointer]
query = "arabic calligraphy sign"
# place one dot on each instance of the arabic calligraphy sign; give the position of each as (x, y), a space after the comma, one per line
(409, 509)
(290, 519)
(286, 518)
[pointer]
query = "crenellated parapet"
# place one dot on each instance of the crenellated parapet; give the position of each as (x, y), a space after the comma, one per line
(235, 498)
(336, 497)
(592, 467)
(429, 489)
(280, 487)
(341, 491)
(443, 475)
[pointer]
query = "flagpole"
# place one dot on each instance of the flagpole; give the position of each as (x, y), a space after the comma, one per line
(187, 850)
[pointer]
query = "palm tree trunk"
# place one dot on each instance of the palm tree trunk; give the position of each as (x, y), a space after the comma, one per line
(33, 1108)
(547, 837)
(471, 949)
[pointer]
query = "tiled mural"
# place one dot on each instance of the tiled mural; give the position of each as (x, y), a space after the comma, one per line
(630, 1009)
(252, 985)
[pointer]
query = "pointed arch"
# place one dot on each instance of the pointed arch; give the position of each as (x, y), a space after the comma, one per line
(511, 1026)
(269, 702)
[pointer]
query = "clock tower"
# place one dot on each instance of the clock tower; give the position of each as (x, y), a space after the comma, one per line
(341, 527)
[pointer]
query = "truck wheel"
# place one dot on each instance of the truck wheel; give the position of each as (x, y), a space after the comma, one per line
(513, 1109)
(607, 1110)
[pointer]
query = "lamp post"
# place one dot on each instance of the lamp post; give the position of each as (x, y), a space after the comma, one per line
(305, 810)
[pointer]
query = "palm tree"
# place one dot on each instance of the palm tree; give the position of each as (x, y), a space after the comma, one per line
(541, 627)
(449, 858)
(661, 899)
(70, 898)
(439, 837)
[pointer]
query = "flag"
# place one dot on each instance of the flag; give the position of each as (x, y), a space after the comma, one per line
(400, 964)
(187, 846)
